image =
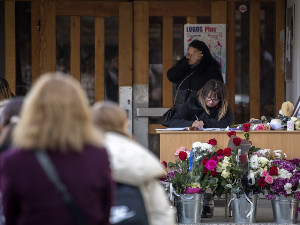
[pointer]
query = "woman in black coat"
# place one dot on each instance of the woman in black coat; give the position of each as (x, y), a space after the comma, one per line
(198, 61)
(209, 110)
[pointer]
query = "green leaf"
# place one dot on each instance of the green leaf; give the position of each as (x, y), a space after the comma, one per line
(298, 168)
(223, 183)
(170, 164)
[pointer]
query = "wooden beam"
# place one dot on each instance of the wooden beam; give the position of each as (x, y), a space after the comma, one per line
(10, 45)
(167, 61)
(141, 43)
(180, 8)
(35, 40)
(230, 52)
(75, 47)
(254, 60)
(191, 19)
(125, 43)
(48, 36)
(99, 59)
(87, 8)
(279, 54)
(219, 12)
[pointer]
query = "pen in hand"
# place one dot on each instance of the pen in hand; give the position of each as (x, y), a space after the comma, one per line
(196, 117)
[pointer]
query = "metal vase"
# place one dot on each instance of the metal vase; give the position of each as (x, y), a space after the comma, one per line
(189, 208)
(285, 209)
(242, 210)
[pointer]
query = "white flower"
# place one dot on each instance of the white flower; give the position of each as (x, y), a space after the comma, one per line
(282, 173)
(294, 119)
(288, 188)
(219, 167)
(254, 162)
(225, 174)
(285, 156)
(207, 147)
(264, 151)
(278, 154)
(197, 144)
(262, 161)
(229, 185)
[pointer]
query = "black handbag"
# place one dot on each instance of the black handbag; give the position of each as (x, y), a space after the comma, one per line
(167, 116)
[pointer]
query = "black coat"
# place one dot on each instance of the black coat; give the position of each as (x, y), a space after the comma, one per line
(195, 82)
(186, 115)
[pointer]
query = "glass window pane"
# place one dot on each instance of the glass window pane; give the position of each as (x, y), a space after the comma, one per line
(242, 28)
(154, 144)
(87, 56)
(2, 40)
(267, 59)
(112, 59)
(23, 47)
(63, 31)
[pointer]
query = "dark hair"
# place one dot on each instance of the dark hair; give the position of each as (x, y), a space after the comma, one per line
(12, 108)
(5, 92)
(220, 90)
(207, 59)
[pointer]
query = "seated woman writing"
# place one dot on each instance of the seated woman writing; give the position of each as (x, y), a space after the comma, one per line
(209, 110)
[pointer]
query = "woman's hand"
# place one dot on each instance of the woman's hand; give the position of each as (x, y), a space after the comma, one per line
(198, 123)
(195, 57)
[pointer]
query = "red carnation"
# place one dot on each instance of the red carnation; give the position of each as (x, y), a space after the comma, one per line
(182, 156)
(229, 134)
(243, 159)
(214, 158)
(237, 141)
(205, 170)
(204, 161)
(246, 127)
(212, 142)
(220, 152)
(261, 182)
(227, 151)
(214, 173)
(165, 164)
(273, 171)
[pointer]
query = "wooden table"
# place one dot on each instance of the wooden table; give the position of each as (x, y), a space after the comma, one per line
(287, 141)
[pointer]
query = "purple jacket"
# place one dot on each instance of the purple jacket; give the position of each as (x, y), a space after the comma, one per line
(29, 198)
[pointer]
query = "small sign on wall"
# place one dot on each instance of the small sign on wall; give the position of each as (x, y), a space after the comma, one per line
(214, 35)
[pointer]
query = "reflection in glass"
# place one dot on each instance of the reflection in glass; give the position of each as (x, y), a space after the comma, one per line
(87, 56)
(63, 44)
(155, 65)
(242, 29)
(112, 59)
(23, 47)
(154, 144)
(267, 59)
(2, 40)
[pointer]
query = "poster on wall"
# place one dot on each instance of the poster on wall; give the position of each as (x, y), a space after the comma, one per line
(214, 35)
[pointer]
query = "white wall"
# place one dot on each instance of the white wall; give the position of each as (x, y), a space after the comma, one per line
(293, 87)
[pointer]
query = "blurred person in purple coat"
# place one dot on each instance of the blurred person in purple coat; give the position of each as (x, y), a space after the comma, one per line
(55, 118)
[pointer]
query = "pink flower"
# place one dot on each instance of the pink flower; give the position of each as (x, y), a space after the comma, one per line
(260, 127)
(211, 164)
(193, 190)
(181, 149)
(220, 157)
(269, 179)
(265, 173)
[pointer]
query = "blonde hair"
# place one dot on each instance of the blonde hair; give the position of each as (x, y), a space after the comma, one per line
(220, 90)
(108, 116)
(56, 115)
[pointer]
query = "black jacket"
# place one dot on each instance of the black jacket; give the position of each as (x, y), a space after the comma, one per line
(195, 82)
(186, 115)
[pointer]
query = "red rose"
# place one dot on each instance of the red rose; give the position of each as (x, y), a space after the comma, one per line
(214, 158)
(165, 164)
(229, 134)
(237, 141)
(246, 127)
(273, 171)
(243, 159)
(220, 152)
(205, 170)
(204, 161)
(261, 182)
(214, 173)
(227, 151)
(212, 142)
(182, 156)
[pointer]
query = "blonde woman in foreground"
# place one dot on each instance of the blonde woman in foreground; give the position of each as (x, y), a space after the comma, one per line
(55, 118)
(131, 163)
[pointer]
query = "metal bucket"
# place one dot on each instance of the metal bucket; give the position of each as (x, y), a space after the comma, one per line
(285, 209)
(189, 208)
(241, 208)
